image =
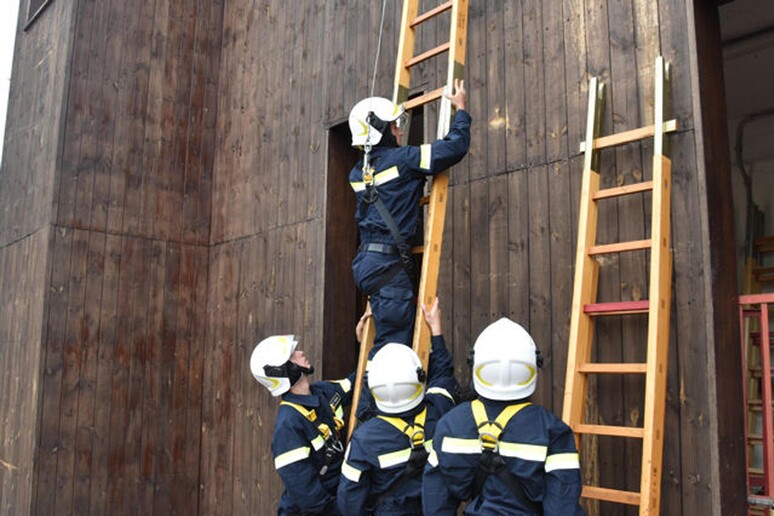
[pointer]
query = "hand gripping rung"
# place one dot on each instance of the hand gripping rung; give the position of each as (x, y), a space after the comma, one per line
(430, 14)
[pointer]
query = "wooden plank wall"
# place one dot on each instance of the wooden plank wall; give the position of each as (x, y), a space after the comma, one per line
(122, 189)
(510, 235)
(27, 182)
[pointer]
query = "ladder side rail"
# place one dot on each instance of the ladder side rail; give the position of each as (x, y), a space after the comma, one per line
(366, 343)
(405, 51)
(586, 271)
(766, 395)
(659, 307)
(436, 209)
(744, 346)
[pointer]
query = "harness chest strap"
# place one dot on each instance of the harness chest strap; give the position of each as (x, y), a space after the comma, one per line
(489, 431)
(415, 432)
(323, 428)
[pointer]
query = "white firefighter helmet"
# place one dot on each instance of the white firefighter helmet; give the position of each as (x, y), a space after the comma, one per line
(505, 362)
(270, 363)
(365, 131)
(396, 379)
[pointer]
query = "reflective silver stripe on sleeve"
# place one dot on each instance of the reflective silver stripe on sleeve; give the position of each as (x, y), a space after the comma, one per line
(425, 156)
(562, 461)
(289, 457)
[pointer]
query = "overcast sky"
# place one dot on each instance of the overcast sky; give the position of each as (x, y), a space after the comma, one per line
(9, 10)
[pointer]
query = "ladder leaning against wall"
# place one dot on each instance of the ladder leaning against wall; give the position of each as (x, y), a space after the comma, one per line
(585, 307)
(436, 201)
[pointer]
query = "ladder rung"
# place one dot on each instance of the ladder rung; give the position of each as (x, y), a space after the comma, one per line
(611, 495)
(612, 431)
(423, 99)
(425, 199)
(623, 190)
(418, 249)
(617, 308)
(629, 136)
(613, 368)
(431, 13)
(424, 56)
(634, 245)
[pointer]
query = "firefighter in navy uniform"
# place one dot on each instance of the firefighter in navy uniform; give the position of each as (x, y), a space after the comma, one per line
(388, 183)
(501, 452)
(382, 470)
(306, 443)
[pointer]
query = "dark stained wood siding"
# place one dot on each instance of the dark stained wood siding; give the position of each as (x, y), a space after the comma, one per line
(175, 214)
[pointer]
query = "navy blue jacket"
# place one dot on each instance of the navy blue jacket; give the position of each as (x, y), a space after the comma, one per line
(538, 448)
(298, 450)
(400, 177)
(378, 452)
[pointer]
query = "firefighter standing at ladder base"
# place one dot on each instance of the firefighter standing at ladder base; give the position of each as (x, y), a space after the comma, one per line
(306, 442)
(382, 470)
(388, 183)
(500, 451)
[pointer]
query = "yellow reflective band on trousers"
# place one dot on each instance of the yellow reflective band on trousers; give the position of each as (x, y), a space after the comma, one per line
(425, 156)
(289, 457)
(562, 461)
(379, 179)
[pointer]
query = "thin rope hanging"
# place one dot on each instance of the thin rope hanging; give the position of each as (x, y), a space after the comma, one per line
(367, 147)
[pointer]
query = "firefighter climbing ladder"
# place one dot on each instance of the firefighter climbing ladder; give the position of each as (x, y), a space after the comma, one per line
(436, 201)
(585, 306)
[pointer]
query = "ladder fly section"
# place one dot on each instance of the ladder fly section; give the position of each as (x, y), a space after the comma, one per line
(585, 306)
(436, 200)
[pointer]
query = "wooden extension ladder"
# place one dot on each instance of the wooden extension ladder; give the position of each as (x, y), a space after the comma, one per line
(436, 201)
(585, 306)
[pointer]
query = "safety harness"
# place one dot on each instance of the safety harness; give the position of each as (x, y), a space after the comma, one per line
(418, 456)
(328, 439)
(403, 249)
(490, 461)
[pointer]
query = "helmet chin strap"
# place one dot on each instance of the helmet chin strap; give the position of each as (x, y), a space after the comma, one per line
(289, 370)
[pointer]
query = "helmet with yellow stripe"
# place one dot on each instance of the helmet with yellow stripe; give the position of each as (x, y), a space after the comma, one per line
(396, 379)
(370, 119)
(271, 364)
(505, 362)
